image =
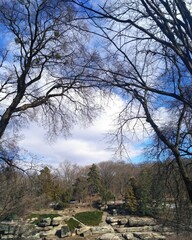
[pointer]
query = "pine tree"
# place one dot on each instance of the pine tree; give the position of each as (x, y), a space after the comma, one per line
(94, 180)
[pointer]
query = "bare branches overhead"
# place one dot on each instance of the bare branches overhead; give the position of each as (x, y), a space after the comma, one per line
(43, 60)
(149, 61)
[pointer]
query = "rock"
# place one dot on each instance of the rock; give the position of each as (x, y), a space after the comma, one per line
(80, 231)
(128, 236)
(65, 232)
(32, 219)
(56, 221)
(45, 222)
(160, 228)
(81, 225)
(102, 229)
(8, 236)
(123, 221)
(26, 230)
(134, 229)
(105, 207)
(109, 236)
(86, 233)
(47, 228)
(149, 236)
(33, 237)
(4, 229)
(12, 229)
(112, 220)
(115, 224)
(43, 234)
(141, 221)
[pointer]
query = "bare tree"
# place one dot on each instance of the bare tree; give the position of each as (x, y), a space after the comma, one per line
(15, 195)
(42, 57)
(68, 173)
(149, 46)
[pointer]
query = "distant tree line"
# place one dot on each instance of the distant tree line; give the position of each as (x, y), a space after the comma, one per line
(145, 189)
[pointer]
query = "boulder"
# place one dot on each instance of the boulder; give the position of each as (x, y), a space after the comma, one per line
(82, 230)
(134, 229)
(26, 230)
(45, 222)
(149, 236)
(109, 236)
(47, 228)
(56, 221)
(4, 229)
(102, 229)
(112, 220)
(160, 228)
(128, 236)
(123, 221)
(8, 236)
(141, 221)
(43, 234)
(65, 232)
(86, 233)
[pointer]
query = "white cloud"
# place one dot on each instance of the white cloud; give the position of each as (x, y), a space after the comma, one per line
(84, 147)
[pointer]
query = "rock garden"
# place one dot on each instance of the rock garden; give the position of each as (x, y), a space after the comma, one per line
(71, 226)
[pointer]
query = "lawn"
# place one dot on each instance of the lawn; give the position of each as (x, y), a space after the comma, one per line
(91, 218)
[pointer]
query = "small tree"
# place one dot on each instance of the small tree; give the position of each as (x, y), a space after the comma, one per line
(130, 196)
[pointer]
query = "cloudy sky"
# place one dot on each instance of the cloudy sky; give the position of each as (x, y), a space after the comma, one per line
(85, 145)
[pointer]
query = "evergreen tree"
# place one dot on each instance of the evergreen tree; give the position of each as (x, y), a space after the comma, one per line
(80, 189)
(131, 201)
(46, 182)
(94, 180)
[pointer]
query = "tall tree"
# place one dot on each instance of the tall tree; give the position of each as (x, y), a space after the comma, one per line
(42, 57)
(68, 173)
(80, 189)
(149, 60)
(93, 180)
(46, 182)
